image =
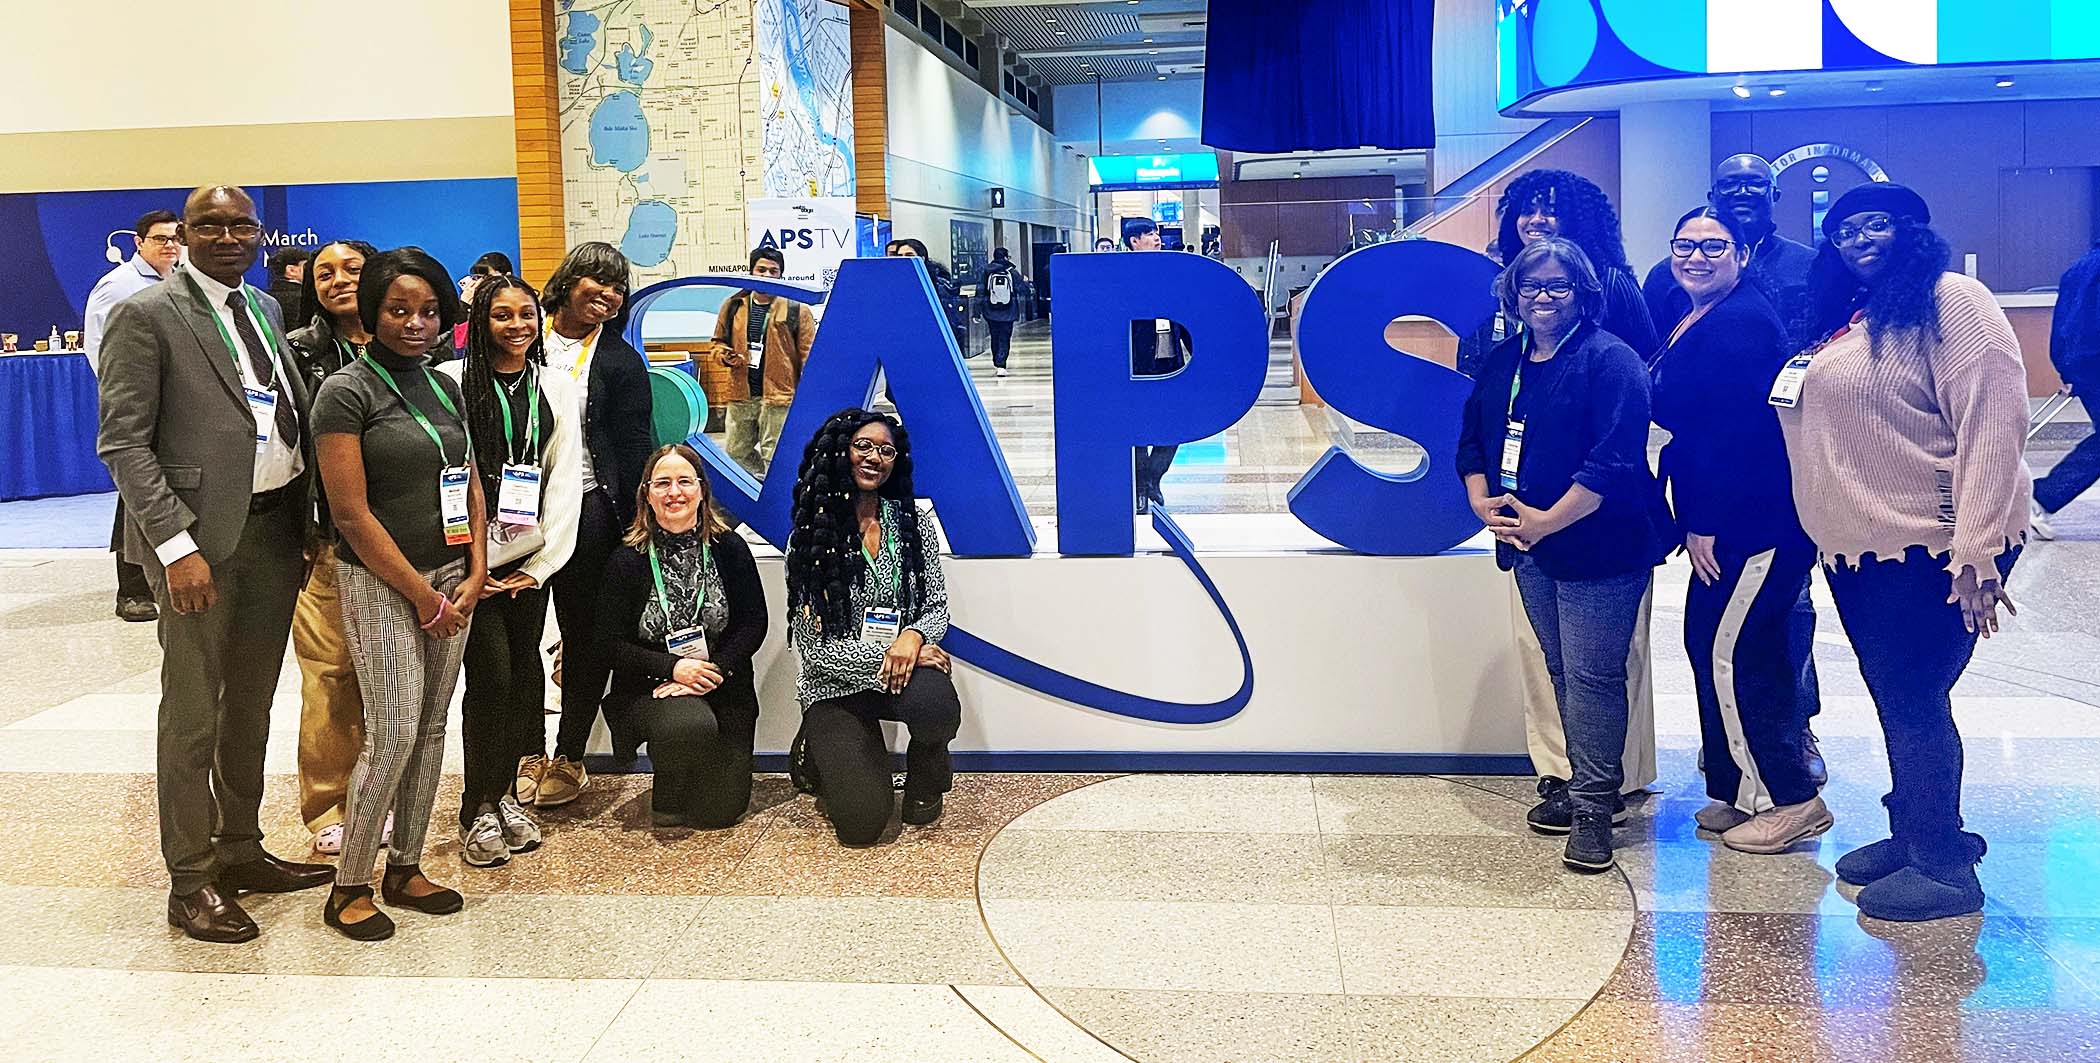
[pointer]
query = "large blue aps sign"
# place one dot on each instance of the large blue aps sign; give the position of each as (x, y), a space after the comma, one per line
(883, 313)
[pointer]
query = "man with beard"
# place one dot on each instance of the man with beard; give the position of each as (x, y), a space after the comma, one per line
(1745, 186)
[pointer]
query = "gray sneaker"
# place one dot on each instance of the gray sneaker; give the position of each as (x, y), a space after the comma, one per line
(520, 833)
(482, 845)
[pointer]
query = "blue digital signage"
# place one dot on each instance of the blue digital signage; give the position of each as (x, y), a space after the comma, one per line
(1126, 173)
(1547, 46)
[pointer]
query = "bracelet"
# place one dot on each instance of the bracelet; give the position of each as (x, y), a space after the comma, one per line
(444, 604)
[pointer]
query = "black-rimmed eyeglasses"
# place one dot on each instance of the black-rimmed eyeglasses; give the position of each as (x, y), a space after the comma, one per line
(1713, 248)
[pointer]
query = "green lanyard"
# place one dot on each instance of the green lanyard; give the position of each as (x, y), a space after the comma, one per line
(532, 423)
(351, 351)
(656, 570)
(225, 337)
(889, 550)
(443, 399)
(1516, 380)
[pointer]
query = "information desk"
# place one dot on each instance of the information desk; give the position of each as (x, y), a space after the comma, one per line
(47, 427)
(1373, 664)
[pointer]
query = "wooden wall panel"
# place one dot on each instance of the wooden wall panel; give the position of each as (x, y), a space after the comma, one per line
(542, 230)
(871, 109)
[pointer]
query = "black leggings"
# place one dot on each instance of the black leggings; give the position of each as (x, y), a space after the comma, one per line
(701, 750)
(852, 763)
(501, 716)
(584, 666)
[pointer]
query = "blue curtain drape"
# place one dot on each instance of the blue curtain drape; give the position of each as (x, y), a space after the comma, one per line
(1317, 74)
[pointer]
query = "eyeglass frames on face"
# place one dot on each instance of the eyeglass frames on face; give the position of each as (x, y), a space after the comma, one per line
(884, 451)
(211, 230)
(159, 240)
(683, 483)
(1713, 248)
(1743, 188)
(1874, 227)
(1550, 289)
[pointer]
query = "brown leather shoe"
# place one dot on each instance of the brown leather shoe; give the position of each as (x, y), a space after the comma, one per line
(268, 874)
(209, 915)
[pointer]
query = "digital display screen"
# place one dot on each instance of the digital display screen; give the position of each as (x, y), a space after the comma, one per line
(1123, 173)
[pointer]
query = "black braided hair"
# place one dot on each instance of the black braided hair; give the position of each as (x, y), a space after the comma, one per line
(1583, 210)
(478, 381)
(1904, 299)
(823, 555)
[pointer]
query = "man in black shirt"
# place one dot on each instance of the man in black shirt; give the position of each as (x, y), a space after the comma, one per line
(1745, 186)
(763, 340)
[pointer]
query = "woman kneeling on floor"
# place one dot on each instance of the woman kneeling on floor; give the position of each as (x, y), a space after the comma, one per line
(867, 607)
(679, 617)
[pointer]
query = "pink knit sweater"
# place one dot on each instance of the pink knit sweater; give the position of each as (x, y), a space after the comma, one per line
(1922, 445)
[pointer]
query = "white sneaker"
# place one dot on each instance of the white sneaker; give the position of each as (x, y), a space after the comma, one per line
(482, 844)
(2038, 523)
(1001, 372)
(328, 841)
(520, 833)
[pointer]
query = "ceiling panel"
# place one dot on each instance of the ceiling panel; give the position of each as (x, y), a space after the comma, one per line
(1079, 26)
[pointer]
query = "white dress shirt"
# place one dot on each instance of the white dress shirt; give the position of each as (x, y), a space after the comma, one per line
(124, 280)
(574, 358)
(277, 462)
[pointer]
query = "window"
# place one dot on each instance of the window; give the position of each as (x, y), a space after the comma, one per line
(952, 37)
(970, 54)
(1031, 101)
(930, 22)
(908, 10)
(1006, 78)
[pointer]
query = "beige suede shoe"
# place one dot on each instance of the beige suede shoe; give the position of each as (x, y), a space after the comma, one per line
(1779, 829)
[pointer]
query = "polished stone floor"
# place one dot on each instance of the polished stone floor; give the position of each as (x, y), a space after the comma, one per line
(1075, 918)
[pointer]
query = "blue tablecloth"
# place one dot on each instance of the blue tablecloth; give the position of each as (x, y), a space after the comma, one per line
(47, 427)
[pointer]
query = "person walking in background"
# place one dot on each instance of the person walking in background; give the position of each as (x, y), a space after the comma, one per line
(158, 248)
(1746, 189)
(945, 288)
(1726, 465)
(203, 429)
(1545, 203)
(528, 452)
(867, 609)
(583, 300)
(1104, 244)
(1000, 293)
(682, 616)
(1553, 453)
(1905, 427)
(1158, 347)
(331, 707)
(2074, 348)
(407, 503)
(764, 340)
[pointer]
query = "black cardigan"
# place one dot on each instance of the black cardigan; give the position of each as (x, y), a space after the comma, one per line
(1586, 422)
(1726, 463)
(619, 420)
(639, 665)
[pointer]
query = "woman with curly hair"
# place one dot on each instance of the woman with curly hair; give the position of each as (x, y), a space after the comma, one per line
(1906, 427)
(867, 608)
(1545, 203)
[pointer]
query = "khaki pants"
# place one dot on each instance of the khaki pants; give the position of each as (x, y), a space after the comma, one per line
(331, 708)
(753, 431)
(1548, 744)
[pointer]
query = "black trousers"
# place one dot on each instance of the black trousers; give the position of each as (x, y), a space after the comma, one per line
(1754, 676)
(852, 763)
(700, 748)
(500, 714)
(1002, 340)
(583, 668)
(1151, 466)
(131, 579)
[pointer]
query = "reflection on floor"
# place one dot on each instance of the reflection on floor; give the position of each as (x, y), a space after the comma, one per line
(1069, 918)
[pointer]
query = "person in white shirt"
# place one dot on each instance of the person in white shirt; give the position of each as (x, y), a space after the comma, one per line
(159, 248)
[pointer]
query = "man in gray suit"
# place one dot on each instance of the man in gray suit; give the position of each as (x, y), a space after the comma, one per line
(203, 429)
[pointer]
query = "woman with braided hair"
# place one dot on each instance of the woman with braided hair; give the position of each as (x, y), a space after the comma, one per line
(528, 454)
(867, 608)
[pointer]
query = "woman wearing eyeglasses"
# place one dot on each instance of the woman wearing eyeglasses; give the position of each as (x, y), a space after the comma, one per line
(1553, 451)
(1906, 428)
(680, 616)
(1726, 465)
(867, 609)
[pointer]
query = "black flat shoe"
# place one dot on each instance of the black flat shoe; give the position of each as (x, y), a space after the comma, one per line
(393, 888)
(375, 927)
(920, 811)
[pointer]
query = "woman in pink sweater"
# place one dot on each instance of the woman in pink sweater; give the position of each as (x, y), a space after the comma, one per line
(1905, 427)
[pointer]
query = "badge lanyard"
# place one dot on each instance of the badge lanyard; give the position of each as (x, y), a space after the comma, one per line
(532, 422)
(590, 343)
(269, 335)
(1786, 387)
(351, 351)
(443, 399)
(656, 572)
(1513, 433)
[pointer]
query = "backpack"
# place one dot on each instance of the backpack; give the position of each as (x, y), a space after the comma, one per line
(999, 288)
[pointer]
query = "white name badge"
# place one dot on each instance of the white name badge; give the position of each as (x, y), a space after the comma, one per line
(1512, 454)
(452, 503)
(690, 643)
(756, 353)
(881, 626)
(1786, 389)
(518, 495)
(262, 402)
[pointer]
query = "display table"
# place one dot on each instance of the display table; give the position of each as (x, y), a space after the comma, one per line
(47, 427)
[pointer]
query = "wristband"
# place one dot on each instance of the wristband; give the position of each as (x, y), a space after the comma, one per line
(444, 604)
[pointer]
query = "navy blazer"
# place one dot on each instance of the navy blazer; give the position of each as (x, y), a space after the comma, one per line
(619, 425)
(1586, 422)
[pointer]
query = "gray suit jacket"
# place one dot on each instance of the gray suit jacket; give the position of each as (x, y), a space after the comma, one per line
(175, 428)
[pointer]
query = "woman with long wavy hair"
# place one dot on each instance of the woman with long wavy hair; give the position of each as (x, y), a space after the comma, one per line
(1906, 429)
(1545, 203)
(867, 609)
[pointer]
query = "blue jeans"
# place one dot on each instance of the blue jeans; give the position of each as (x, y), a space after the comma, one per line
(1912, 649)
(1585, 627)
(2078, 470)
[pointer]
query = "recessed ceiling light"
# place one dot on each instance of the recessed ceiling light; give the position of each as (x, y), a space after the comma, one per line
(1162, 77)
(1051, 21)
(1060, 33)
(1148, 40)
(1297, 175)
(1154, 51)
(1742, 92)
(1776, 90)
(2004, 81)
(1875, 86)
